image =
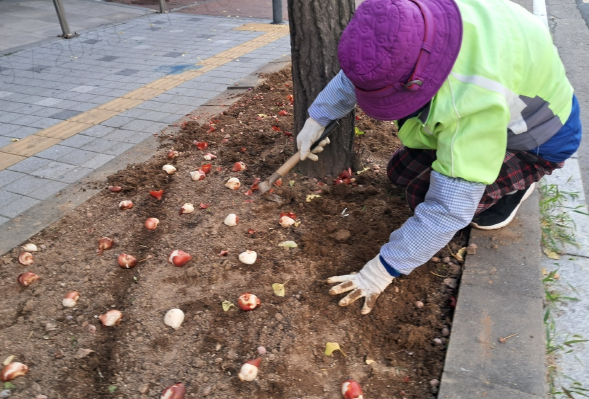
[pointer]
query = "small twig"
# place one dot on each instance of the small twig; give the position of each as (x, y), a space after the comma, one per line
(143, 260)
(502, 340)
(435, 274)
(449, 250)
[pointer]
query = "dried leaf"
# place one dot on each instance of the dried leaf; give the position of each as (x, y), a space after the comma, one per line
(14, 140)
(288, 244)
(8, 360)
(227, 305)
(262, 115)
(459, 255)
(9, 385)
(544, 271)
(370, 361)
(82, 353)
(330, 347)
(291, 183)
(551, 254)
(311, 196)
(279, 289)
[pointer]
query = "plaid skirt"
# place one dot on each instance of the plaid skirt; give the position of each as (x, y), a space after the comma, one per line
(412, 168)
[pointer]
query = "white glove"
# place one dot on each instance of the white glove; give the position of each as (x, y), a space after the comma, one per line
(370, 282)
(309, 134)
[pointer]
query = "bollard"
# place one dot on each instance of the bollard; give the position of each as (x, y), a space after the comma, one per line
(277, 11)
(62, 19)
(163, 9)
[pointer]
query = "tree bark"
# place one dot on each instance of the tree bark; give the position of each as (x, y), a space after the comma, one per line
(315, 30)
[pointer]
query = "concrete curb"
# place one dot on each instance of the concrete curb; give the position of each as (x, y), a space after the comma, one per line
(32, 221)
(500, 294)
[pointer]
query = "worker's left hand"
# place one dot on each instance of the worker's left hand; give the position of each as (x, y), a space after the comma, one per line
(370, 282)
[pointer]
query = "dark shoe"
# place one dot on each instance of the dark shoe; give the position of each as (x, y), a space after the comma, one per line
(503, 212)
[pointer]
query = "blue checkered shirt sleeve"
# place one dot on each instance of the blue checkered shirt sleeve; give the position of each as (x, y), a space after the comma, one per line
(449, 206)
(335, 101)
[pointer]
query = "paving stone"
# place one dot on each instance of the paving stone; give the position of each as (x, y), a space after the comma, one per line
(98, 131)
(67, 114)
(127, 136)
(5, 93)
(77, 141)
(9, 117)
(83, 89)
(7, 197)
(25, 185)
(29, 165)
(15, 208)
(144, 126)
(48, 102)
(62, 172)
(127, 72)
(108, 58)
(26, 120)
(51, 188)
(8, 176)
(3, 220)
(23, 131)
(118, 121)
(137, 113)
(118, 148)
(97, 161)
(55, 152)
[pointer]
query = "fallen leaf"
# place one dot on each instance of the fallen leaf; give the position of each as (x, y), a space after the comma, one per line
(227, 305)
(370, 361)
(14, 140)
(551, 254)
(112, 388)
(291, 183)
(460, 254)
(279, 289)
(544, 271)
(9, 385)
(262, 115)
(330, 347)
(288, 244)
(311, 196)
(82, 353)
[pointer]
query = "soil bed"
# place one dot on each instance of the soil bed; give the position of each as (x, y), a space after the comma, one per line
(338, 232)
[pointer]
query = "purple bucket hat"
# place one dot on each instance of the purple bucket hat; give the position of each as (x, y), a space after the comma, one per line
(398, 53)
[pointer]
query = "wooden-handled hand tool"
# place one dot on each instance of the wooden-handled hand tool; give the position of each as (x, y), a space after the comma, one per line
(265, 186)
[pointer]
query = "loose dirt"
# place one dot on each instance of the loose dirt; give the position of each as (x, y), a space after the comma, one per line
(339, 230)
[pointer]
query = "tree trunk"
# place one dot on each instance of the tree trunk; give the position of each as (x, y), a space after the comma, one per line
(315, 30)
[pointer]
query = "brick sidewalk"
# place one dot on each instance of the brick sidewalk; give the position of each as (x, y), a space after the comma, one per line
(47, 84)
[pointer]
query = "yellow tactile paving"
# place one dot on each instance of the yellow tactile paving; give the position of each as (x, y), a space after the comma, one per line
(63, 130)
(15, 152)
(165, 84)
(7, 160)
(143, 94)
(30, 145)
(95, 116)
(119, 105)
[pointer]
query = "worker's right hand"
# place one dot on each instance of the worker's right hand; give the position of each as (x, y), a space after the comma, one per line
(309, 134)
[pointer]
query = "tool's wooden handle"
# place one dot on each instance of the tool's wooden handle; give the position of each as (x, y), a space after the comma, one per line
(288, 165)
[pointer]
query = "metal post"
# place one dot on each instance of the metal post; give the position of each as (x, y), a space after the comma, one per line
(62, 19)
(163, 9)
(277, 11)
